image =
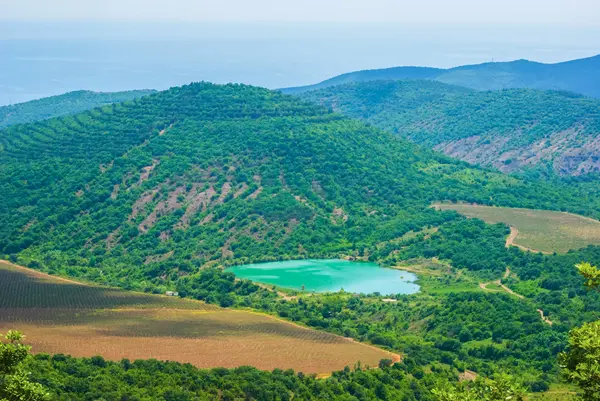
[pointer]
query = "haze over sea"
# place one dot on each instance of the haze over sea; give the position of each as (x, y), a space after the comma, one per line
(44, 59)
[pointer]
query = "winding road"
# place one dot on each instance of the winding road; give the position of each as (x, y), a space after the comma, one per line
(483, 286)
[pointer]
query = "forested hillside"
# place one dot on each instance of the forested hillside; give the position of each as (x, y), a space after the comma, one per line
(510, 130)
(580, 76)
(156, 187)
(62, 105)
(151, 193)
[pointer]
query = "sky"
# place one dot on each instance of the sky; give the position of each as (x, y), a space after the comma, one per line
(547, 12)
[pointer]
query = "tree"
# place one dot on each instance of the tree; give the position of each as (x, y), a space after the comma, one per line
(582, 360)
(502, 389)
(14, 383)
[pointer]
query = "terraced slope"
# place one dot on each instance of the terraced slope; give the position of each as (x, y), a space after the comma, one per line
(511, 130)
(62, 105)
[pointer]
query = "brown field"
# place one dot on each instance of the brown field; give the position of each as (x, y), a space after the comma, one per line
(536, 230)
(59, 316)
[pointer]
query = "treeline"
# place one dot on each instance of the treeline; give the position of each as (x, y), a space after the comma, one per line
(91, 379)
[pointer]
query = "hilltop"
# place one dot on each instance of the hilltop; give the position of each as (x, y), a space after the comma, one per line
(580, 76)
(511, 130)
(62, 105)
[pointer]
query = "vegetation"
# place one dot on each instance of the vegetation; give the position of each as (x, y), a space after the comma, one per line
(158, 193)
(144, 192)
(511, 130)
(62, 105)
(572, 76)
(583, 357)
(92, 379)
(482, 390)
(15, 384)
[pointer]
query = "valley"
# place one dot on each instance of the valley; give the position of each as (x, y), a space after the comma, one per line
(176, 191)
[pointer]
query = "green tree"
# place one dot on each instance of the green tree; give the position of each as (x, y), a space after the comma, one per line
(14, 383)
(503, 388)
(582, 360)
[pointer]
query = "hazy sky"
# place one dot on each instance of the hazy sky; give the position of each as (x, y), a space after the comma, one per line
(563, 12)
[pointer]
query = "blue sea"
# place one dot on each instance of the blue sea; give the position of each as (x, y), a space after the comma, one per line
(38, 61)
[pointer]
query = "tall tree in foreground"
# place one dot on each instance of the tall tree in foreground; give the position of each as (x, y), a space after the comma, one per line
(582, 360)
(14, 384)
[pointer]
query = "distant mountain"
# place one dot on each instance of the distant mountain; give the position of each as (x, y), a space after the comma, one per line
(140, 193)
(580, 76)
(511, 129)
(62, 105)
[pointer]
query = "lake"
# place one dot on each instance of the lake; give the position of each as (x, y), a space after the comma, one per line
(330, 276)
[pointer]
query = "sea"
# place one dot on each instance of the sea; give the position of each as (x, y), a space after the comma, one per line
(38, 60)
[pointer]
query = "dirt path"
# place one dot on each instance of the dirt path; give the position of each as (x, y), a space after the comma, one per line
(483, 286)
(509, 290)
(544, 318)
(510, 241)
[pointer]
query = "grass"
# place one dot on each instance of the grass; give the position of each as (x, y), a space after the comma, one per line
(557, 392)
(425, 267)
(441, 286)
(59, 316)
(538, 230)
(493, 287)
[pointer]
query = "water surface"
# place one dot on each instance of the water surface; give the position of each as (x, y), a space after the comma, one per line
(329, 276)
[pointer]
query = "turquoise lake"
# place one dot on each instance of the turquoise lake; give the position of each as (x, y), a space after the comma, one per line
(330, 276)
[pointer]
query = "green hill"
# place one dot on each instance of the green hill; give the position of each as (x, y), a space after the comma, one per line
(62, 105)
(150, 193)
(580, 76)
(161, 185)
(511, 130)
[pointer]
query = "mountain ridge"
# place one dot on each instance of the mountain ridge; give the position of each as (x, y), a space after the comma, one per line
(512, 130)
(580, 76)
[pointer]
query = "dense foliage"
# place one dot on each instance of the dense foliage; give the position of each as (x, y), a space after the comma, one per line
(482, 390)
(140, 193)
(510, 129)
(62, 105)
(580, 76)
(96, 379)
(154, 193)
(15, 383)
(582, 360)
